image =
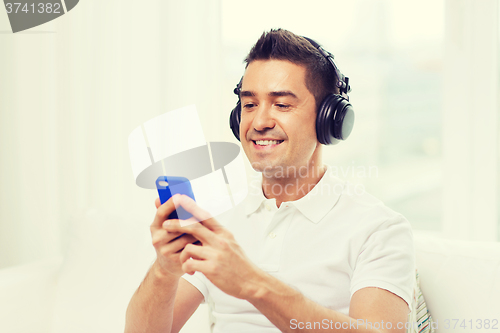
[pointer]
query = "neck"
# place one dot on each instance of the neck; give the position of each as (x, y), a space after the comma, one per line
(293, 183)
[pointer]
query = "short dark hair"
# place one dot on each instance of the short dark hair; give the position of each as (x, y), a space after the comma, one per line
(281, 44)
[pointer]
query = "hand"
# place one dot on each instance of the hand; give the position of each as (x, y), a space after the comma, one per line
(168, 245)
(219, 257)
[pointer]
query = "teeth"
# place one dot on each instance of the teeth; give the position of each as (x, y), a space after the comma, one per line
(267, 142)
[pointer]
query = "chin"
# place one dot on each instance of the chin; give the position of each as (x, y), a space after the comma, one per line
(268, 169)
(258, 166)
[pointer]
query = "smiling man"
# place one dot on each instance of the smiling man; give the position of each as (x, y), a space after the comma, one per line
(304, 251)
(278, 128)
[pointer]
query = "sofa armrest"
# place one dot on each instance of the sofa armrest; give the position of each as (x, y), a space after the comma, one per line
(460, 281)
(27, 296)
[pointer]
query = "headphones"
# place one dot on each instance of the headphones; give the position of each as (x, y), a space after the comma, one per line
(335, 116)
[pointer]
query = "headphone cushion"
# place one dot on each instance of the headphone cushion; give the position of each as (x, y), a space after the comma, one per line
(234, 120)
(344, 120)
(325, 119)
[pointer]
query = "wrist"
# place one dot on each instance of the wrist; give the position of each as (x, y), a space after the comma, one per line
(257, 288)
(267, 289)
(163, 275)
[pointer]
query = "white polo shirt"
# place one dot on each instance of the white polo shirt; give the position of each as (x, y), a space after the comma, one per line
(330, 243)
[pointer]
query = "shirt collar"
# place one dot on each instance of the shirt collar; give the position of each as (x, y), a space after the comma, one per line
(255, 196)
(314, 205)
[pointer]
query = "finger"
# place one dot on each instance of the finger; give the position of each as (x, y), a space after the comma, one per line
(160, 237)
(191, 266)
(180, 243)
(195, 252)
(175, 245)
(172, 235)
(163, 212)
(179, 223)
(205, 217)
(157, 203)
(183, 223)
(198, 230)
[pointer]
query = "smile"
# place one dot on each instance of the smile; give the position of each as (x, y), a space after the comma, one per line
(263, 144)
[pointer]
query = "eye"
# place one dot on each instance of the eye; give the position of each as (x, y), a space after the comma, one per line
(283, 106)
(248, 106)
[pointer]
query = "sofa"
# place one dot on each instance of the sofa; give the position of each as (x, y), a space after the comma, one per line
(107, 254)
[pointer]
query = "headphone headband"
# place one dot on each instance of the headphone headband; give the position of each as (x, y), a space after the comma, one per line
(343, 81)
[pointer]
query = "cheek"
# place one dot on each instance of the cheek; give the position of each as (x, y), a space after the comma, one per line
(243, 126)
(303, 139)
(305, 130)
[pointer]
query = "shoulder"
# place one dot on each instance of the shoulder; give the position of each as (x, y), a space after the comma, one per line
(363, 209)
(361, 217)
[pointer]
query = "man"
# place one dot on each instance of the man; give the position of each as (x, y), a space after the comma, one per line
(304, 252)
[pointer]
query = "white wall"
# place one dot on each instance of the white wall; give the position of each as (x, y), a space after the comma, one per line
(471, 121)
(73, 89)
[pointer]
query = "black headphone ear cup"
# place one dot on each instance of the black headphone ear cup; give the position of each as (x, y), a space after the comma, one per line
(334, 120)
(325, 119)
(344, 120)
(234, 120)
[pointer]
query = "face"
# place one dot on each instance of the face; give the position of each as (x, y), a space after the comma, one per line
(278, 117)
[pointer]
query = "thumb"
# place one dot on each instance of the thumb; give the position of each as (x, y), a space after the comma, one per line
(201, 215)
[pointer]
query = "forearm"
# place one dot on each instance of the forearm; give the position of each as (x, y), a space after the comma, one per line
(152, 305)
(291, 311)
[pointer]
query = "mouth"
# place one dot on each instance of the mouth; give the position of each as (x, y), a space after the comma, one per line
(266, 144)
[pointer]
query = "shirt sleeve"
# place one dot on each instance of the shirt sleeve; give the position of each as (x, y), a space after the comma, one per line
(387, 260)
(198, 280)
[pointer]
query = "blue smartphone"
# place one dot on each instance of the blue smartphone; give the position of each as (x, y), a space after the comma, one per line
(168, 186)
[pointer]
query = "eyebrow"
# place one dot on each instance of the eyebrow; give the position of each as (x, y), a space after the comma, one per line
(247, 93)
(282, 93)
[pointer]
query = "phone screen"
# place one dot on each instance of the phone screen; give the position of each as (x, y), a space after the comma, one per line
(168, 186)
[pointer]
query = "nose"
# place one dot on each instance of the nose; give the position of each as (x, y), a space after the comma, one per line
(263, 119)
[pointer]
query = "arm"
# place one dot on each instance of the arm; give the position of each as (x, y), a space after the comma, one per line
(371, 309)
(163, 302)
